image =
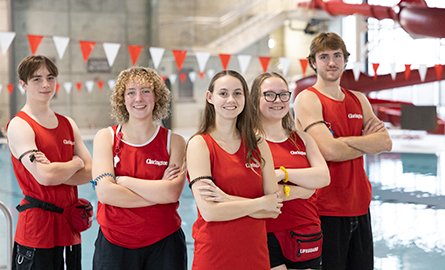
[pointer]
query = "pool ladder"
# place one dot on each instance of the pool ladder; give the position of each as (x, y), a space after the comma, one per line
(8, 217)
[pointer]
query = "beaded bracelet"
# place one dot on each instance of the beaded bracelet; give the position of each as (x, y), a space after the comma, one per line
(99, 177)
(286, 174)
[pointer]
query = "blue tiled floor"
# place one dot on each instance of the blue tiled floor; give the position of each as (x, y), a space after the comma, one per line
(408, 211)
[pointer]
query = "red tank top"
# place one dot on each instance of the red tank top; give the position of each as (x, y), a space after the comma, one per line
(349, 193)
(143, 226)
(235, 244)
(299, 214)
(36, 227)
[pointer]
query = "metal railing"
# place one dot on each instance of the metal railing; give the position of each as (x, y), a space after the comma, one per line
(9, 243)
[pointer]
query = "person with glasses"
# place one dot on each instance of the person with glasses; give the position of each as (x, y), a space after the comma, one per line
(138, 176)
(345, 128)
(232, 180)
(300, 169)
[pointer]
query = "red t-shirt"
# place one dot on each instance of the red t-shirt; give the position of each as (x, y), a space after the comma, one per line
(235, 244)
(36, 227)
(298, 214)
(349, 193)
(143, 226)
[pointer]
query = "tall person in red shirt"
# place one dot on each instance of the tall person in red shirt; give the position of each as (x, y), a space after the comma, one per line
(225, 154)
(49, 160)
(138, 175)
(345, 128)
(294, 237)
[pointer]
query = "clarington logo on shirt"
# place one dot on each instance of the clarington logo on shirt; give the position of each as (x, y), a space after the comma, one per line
(252, 165)
(355, 116)
(65, 141)
(297, 153)
(156, 162)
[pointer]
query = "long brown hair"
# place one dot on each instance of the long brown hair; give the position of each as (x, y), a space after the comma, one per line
(244, 123)
(287, 121)
(255, 94)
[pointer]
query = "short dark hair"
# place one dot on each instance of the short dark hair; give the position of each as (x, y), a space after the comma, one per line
(30, 64)
(326, 41)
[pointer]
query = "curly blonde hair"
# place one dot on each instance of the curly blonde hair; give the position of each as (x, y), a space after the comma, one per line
(141, 75)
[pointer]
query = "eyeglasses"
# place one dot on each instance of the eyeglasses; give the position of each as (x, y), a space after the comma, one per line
(271, 96)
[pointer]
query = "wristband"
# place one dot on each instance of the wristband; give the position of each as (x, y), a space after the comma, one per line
(99, 177)
(286, 174)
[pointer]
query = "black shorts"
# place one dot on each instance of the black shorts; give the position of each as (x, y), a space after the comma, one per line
(169, 253)
(277, 258)
(347, 243)
(27, 258)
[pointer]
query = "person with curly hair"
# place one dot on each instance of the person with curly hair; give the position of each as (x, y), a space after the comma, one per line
(138, 177)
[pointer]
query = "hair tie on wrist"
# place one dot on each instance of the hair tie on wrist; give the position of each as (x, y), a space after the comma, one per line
(200, 178)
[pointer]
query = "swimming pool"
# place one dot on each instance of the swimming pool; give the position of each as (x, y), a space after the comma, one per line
(408, 210)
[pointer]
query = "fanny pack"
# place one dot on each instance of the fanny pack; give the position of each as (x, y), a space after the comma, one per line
(79, 214)
(299, 247)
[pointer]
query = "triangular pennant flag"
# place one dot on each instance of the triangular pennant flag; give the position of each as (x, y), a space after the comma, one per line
(356, 70)
(79, 86)
(61, 43)
(284, 64)
(68, 86)
(192, 76)
(202, 58)
(135, 51)
(89, 85)
(393, 71)
(438, 69)
(225, 59)
(6, 40)
(156, 55)
(100, 84)
(57, 87)
(264, 60)
(34, 42)
(111, 84)
(182, 77)
(22, 91)
(172, 77)
(10, 88)
(210, 73)
(111, 50)
(243, 61)
(375, 67)
(179, 57)
(86, 47)
(422, 72)
(303, 64)
(407, 71)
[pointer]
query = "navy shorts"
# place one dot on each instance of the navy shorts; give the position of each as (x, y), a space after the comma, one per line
(27, 258)
(169, 253)
(347, 243)
(277, 258)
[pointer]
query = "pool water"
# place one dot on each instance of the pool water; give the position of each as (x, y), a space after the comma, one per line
(408, 210)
